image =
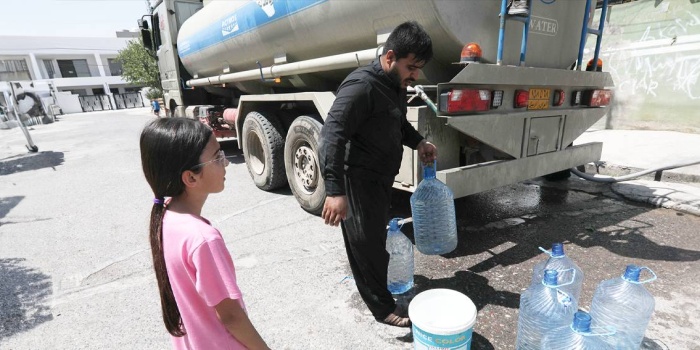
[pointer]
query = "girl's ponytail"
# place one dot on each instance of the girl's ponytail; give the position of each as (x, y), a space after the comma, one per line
(171, 313)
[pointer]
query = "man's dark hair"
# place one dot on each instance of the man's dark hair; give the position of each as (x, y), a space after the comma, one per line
(410, 38)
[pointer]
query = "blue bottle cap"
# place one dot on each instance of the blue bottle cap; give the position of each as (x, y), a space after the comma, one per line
(557, 250)
(632, 273)
(428, 171)
(582, 322)
(550, 277)
(394, 224)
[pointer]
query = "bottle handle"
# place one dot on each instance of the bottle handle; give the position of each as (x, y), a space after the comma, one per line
(573, 277)
(400, 222)
(651, 279)
(610, 331)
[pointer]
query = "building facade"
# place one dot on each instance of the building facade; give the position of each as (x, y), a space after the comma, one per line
(82, 71)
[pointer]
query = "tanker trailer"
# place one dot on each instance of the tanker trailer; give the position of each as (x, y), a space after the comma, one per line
(501, 105)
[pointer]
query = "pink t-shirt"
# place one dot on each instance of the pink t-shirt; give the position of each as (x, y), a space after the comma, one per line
(201, 274)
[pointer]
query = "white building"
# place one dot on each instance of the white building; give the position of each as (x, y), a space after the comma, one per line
(83, 71)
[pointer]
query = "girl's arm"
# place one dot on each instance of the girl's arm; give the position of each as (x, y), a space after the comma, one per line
(236, 321)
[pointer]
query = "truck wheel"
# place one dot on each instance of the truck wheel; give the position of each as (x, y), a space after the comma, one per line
(263, 149)
(302, 163)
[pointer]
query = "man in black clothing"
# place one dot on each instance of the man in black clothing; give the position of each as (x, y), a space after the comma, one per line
(361, 149)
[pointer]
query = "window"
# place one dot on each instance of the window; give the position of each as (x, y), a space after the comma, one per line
(115, 67)
(49, 69)
(74, 68)
(14, 70)
(13, 66)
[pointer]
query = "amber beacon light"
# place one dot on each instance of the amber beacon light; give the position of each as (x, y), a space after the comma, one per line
(470, 53)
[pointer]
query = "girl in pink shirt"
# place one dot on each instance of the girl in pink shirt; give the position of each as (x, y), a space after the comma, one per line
(200, 300)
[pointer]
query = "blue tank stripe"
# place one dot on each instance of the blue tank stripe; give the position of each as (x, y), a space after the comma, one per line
(246, 18)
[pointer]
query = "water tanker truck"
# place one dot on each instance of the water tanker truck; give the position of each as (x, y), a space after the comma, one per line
(503, 98)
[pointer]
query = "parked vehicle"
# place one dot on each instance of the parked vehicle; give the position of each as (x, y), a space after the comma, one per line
(501, 105)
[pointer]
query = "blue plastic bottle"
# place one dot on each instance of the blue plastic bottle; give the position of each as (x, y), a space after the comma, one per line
(400, 249)
(565, 266)
(433, 209)
(543, 307)
(625, 304)
(577, 336)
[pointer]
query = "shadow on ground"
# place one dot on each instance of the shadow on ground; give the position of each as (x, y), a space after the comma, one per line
(24, 292)
(47, 159)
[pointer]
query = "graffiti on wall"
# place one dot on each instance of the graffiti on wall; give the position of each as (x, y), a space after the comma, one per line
(666, 57)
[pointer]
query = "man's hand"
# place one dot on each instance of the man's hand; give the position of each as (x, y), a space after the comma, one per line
(335, 209)
(426, 151)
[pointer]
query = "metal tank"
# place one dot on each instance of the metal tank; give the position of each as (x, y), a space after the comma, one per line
(230, 36)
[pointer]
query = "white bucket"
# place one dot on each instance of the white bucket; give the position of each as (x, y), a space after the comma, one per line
(442, 319)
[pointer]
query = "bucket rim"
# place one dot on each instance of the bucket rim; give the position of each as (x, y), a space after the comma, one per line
(464, 326)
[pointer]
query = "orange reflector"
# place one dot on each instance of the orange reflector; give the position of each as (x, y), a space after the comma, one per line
(597, 98)
(470, 53)
(465, 100)
(521, 98)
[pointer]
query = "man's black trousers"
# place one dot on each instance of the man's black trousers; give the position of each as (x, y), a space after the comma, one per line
(364, 232)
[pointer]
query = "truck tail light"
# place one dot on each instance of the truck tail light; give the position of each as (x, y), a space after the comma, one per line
(597, 98)
(521, 98)
(465, 100)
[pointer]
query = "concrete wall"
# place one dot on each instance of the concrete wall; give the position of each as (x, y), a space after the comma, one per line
(652, 50)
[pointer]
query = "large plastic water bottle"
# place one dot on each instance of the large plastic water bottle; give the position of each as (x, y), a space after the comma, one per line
(577, 336)
(564, 265)
(433, 209)
(400, 272)
(625, 304)
(543, 307)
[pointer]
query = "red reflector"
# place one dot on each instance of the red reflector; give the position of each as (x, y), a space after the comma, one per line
(468, 100)
(597, 98)
(559, 96)
(521, 98)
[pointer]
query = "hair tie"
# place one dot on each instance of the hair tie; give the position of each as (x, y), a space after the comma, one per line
(157, 201)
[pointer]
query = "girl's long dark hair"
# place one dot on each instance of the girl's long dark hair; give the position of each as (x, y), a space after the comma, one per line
(169, 146)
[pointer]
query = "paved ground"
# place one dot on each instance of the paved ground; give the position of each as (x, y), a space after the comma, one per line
(76, 272)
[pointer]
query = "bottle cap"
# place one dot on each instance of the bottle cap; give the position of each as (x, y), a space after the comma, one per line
(394, 224)
(550, 277)
(632, 273)
(582, 322)
(429, 171)
(557, 249)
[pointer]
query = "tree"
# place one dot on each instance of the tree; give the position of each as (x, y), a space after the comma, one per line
(139, 66)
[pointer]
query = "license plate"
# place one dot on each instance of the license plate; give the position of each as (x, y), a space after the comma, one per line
(539, 99)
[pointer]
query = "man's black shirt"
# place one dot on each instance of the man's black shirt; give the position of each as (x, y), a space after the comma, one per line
(366, 128)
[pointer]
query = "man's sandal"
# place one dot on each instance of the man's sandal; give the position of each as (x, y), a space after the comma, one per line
(397, 321)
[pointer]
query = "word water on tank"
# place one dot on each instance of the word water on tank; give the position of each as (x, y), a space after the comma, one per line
(559, 261)
(543, 308)
(433, 210)
(577, 336)
(400, 249)
(625, 304)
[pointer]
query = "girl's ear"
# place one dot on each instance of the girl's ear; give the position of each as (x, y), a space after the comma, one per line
(189, 178)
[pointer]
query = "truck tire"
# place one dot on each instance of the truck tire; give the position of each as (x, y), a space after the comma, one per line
(263, 149)
(302, 163)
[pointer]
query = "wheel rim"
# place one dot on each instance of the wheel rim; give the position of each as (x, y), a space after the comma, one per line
(305, 168)
(256, 153)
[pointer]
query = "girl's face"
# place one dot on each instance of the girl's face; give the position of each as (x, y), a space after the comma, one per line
(213, 167)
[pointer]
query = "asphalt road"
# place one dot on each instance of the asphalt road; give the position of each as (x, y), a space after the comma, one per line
(75, 268)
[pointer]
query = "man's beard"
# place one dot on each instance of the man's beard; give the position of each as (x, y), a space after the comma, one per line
(396, 77)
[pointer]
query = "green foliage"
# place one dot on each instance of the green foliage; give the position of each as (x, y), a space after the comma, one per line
(139, 66)
(154, 94)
